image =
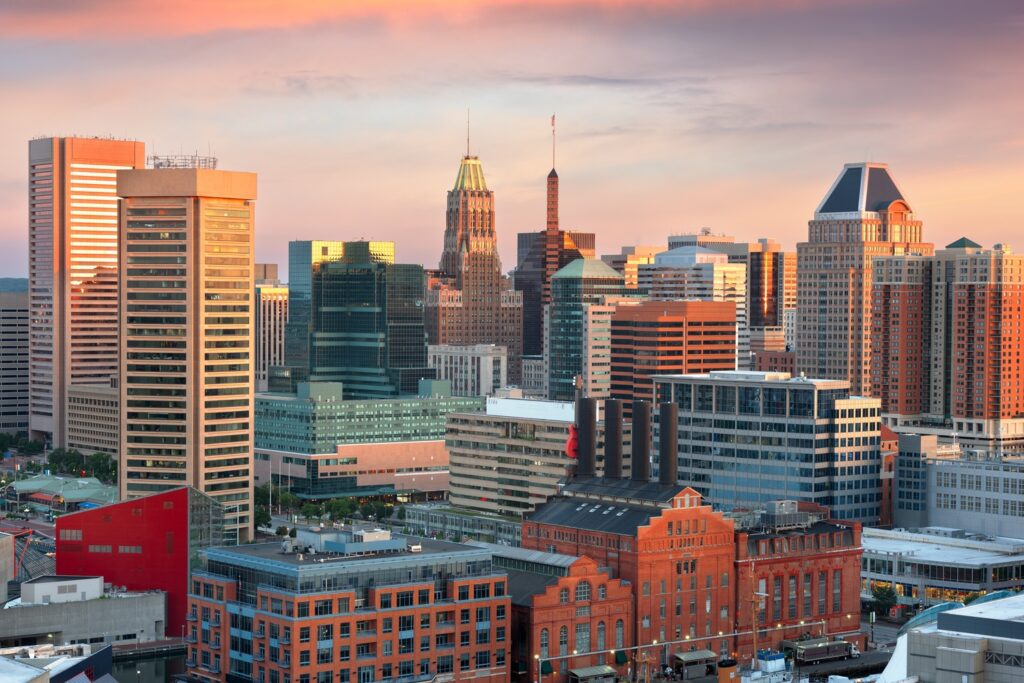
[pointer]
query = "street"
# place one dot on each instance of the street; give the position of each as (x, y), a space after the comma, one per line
(868, 663)
(885, 632)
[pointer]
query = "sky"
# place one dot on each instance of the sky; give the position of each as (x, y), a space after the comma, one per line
(672, 116)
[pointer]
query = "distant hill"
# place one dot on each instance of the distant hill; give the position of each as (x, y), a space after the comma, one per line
(13, 284)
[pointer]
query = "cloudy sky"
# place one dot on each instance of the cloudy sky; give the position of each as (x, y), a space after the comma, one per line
(731, 114)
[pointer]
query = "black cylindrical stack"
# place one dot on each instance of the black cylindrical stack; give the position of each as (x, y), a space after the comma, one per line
(641, 459)
(613, 439)
(586, 426)
(668, 443)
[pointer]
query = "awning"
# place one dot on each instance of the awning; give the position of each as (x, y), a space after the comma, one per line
(696, 656)
(545, 667)
(598, 671)
(621, 657)
(41, 498)
(86, 505)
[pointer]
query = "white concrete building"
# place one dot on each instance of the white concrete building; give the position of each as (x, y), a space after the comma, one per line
(474, 370)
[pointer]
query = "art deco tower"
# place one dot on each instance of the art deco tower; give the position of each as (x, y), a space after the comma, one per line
(471, 304)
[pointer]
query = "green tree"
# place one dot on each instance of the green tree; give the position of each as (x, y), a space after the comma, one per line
(282, 531)
(102, 466)
(310, 511)
(293, 532)
(288, 500)
(262, 516)
(884, 597)
(261, 495)
(400, 513)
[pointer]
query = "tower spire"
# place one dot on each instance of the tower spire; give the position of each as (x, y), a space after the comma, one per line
(552, 141)
(467, 131)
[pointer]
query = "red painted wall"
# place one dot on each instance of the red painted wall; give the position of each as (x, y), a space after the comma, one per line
(157, 525)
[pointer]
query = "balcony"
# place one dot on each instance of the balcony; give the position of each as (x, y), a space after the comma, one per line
(258, 657)
(192, 616)
(286, 662)
(191, 639)
(215, 623)
(259, 633)
(212, 668)
(285, 640)
(190, 663)
(366, 634)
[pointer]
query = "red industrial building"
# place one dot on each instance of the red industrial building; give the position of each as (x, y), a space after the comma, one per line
(146, 543)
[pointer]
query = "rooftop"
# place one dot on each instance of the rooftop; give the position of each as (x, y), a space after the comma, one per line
(942, 550)
(529, 409)
(470, 176)
(861, 187)
(963, 243)
(627, 490)
(588, 268)
(754, 376)
(52, 578)
(533, 556)
(998, 618)
(591, 515)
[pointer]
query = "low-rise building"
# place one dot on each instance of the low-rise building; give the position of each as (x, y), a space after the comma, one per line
(59, 493)
(350, 605)
(938, 564)
(446, 521)
(77, 609)
(476, 370)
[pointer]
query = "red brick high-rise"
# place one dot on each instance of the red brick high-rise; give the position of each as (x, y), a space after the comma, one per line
(470, 303)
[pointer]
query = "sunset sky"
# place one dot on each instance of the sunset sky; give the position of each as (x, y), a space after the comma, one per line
(671, 115)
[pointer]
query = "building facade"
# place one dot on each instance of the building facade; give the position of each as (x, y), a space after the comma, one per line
(863, 216)
(628, 262)
(305, 258)
(73, 270)
(471, 302)
(478, 370)
(187, 323)
(147, 543)
(771, 284)
(14, 362)
(355, 605)
(668, 337)
(271, 321)
(94, 418)
(747, 438)
(693, 272)
(578, 338)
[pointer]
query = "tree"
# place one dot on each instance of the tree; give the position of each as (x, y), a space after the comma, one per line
(400, 513)
(293, 532)
(884, 596)
(103, 467)
(310, 510)
(262, 517)
(261, 495)
(281, 531)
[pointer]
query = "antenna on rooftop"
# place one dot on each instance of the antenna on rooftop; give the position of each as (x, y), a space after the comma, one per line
(467, 131)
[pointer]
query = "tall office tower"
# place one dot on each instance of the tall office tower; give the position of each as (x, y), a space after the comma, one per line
(577, 346)
(367, 329)
(305, 257)
(14, 362)
(946, 344)
(667, 338)
(692, 272)
(186, 378)
(628, 260)
(73, 285)
(271, 321)
(470, 302)
(539, 256)
(266, 273)
(863, 216)
(771, 284)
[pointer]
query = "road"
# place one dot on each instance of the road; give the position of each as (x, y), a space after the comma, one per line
(885, 633)
(11, 526)
(868, 663)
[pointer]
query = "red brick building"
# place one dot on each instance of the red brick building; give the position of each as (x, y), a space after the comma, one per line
(889, 446)
(349, 606)
(668, 337)
(800, 571)
(775, 361)
(563, 604)
(146, 543)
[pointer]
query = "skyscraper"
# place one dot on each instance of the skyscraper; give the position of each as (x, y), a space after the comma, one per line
(540, 255)
(186, 356)
(570, 340)
(470, 303)
(863, 216)
(14, 362)
(367, 324)
(771, 284)
(73, 281)
(946, 343)
(271, 320)
(305, 258)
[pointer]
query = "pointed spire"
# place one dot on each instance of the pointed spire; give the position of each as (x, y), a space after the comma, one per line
(467, 131)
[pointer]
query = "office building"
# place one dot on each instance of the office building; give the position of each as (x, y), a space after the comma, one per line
(478, 370)
(933, 565)
(14, 362)
(775, 361)
(863, 216)
(535, 377)
(578, 337)
(771, 284)
(600, 620)
(448, 522)
(271, 321)
(668, 337)
(318, 446)
(510, 458)
(73, 270)
(693, 272)
(187, 326)
(349, 605)
(946, 343)
(471, 303)
(747, 438)
(305, 258)
(706, 239)
(539, 255)
(628, 261)
(94, 418)
(265, 273)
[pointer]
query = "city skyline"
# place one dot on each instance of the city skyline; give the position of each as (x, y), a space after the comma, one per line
(672, 102)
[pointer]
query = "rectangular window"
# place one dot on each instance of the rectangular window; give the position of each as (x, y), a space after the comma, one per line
(822, 593)
(808, 595)
(777, 599)
(791, 602)
(837, 594)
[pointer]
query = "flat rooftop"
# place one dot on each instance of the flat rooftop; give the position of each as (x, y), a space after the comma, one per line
(742, 376)
(272, 552)
(526, 555)
(50, 578)
(997, 619)
(940, 550)
(530, 409)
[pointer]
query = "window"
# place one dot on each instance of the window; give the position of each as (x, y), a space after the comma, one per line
(808, 595)
(601, 637)
(499, 634)
(304, 634)
(544, 636)
(481, 591)
(483, 659)
(822, 593)
(777, 598)
(404, 599)
(619, 634)
(563, 596)
(791, 602)
(583, 595)
(563, 646)
(602, 592)
(499, 613)
(583, 637)
(325, 632)
(385, 600)
(837, 594)
(463, 592)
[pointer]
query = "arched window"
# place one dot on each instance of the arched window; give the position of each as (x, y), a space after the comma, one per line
(583, 591)
(563, 596)
(601, 645)
(619, 634)
(544, 636)
(563, 648)
(602, 592)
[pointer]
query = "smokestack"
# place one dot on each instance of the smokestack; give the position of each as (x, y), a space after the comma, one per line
(586, 426)
(668, 444)
(613, 439)
(641, 459)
